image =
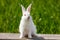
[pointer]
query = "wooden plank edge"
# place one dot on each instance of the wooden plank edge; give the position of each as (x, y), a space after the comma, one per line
(16, 36)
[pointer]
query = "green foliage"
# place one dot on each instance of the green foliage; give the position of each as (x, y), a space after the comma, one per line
(45, 14)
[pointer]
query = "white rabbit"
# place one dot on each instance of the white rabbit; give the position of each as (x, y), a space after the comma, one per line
(27, 26)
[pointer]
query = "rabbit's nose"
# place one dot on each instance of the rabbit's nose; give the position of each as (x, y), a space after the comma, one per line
(28, 17)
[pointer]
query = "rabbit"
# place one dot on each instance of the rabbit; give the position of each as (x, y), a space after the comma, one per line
(26, 26)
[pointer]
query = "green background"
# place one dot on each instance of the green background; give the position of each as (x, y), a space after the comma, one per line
(45, 14)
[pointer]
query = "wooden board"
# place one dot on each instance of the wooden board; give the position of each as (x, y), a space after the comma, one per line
(15, 36)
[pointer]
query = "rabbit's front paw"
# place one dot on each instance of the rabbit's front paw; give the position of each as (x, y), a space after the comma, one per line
(29, 36)
(21, 36)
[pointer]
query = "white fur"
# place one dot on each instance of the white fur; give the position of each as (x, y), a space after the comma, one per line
(26, 25)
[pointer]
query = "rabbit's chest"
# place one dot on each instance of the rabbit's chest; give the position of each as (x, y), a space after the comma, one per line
(26, 27)
(27, 24)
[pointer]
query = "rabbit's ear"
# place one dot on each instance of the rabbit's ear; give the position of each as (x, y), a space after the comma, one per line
(29, 7)
(23, 9)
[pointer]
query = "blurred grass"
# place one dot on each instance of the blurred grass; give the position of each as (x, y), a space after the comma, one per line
(45, 14)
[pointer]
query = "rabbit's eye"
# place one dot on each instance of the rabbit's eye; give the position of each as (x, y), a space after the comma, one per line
(24, 14)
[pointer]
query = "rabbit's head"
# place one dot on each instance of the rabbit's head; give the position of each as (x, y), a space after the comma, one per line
(26, 12)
